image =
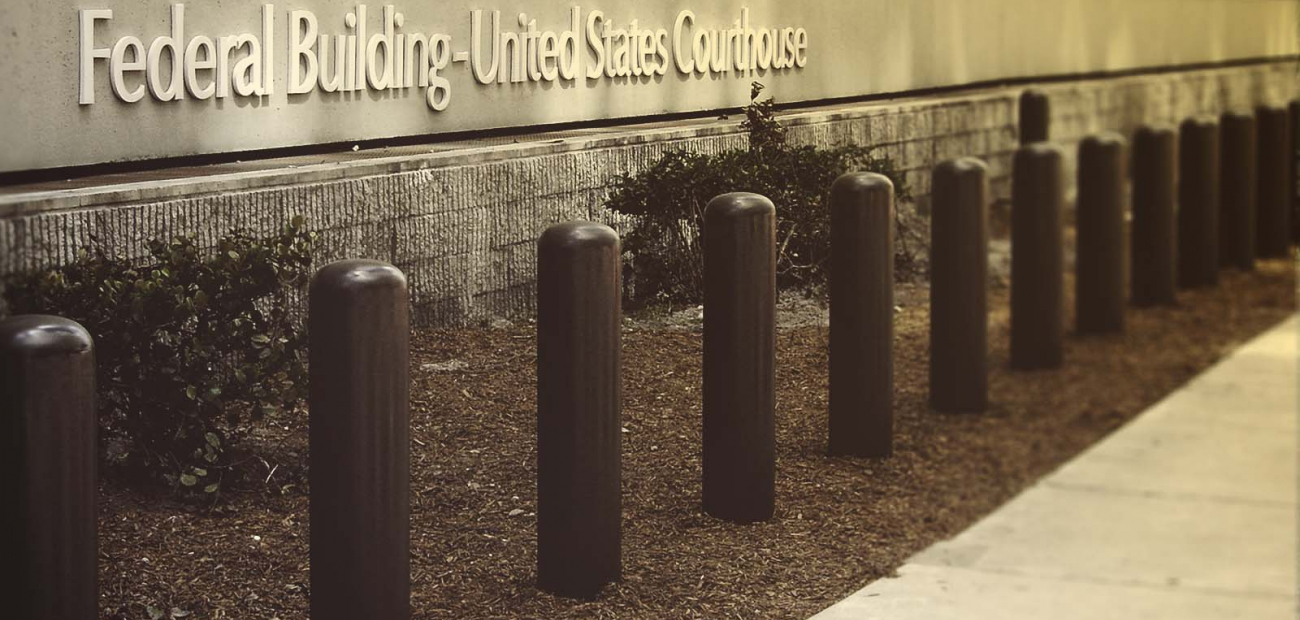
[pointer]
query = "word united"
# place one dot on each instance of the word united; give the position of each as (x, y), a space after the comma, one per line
(388, 57)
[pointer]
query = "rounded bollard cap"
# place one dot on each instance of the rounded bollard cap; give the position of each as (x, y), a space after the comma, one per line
(1033, 95)
(861, 184)
(43, 335)
(1199, 121)
(1159, 130)
(961, 167)
(1035, 117)
(357, 274)
(577, 235)
(1107, 140)
(1237, 117)
(958, 185)
(1039, 152)
(1036, 104)
(738, 205)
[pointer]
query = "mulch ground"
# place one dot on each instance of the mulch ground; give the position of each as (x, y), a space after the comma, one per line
(840, 523)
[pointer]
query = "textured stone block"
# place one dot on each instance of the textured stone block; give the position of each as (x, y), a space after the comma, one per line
(464, 231)
(952, 145)
(884, 130)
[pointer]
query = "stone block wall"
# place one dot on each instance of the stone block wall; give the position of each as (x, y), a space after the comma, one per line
(462, 221)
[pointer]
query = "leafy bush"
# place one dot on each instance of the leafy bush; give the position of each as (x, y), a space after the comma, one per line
(191, 346)
(667, 202)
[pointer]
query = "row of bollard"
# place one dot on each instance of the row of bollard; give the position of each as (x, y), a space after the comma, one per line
(579, 546)
(1177, 197)
(1213, 195)
(359, 425)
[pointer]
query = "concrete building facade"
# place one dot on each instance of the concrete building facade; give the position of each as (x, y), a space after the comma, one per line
(461, 217)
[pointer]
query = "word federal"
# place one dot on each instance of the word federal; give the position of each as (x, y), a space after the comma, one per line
(388, 56)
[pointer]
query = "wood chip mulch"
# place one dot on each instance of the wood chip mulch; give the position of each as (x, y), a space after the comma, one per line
(840, 522)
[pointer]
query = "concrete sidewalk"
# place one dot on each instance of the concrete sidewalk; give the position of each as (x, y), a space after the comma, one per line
(1189, 511)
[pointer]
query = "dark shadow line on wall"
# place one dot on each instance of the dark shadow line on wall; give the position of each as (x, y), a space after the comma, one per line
(74, 172)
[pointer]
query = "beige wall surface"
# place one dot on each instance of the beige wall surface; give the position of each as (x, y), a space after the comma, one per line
(854, 47)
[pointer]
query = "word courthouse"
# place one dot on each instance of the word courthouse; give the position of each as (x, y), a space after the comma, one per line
(391, 55)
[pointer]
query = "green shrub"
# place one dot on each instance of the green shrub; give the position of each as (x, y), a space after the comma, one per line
(667, 202)
(192, 345)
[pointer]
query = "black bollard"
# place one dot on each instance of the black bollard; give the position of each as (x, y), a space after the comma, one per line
(1237, 191)
(47, 403)
(1293, 162)
(959, 261)
(862, 316)
(1037, 259)
(579, 409)
(359, 321)
(1272, 216)
(1198, 203)
(1154, 238)
(1035, 117)
(739, 350)
(1099, 279)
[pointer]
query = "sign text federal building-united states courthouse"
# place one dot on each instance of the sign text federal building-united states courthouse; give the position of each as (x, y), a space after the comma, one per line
(349, 53)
